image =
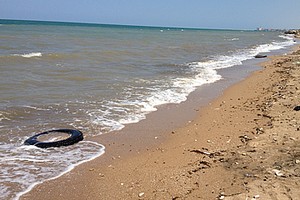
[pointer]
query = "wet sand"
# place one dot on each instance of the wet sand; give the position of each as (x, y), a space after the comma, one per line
(244, 145)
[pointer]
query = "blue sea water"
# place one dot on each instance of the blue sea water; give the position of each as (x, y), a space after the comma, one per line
(98, 78)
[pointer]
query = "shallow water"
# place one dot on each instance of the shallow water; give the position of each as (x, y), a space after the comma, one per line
(98, 78)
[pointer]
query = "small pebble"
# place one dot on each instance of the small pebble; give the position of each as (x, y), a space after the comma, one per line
(141, 194)
(277, 172)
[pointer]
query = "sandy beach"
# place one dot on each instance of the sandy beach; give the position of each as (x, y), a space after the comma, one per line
(243, 145)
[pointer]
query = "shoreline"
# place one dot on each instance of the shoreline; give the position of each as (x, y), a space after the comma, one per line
(169, 167)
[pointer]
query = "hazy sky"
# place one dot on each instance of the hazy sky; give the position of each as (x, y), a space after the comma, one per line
(235, 14)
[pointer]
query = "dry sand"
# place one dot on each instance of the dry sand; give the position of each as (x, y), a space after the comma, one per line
(243, 145)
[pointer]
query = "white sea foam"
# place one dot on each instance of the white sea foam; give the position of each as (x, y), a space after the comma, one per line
(232, 39)
(24, 167)
(30, 55)
(116, 114)
(36, 108)
(287, 37)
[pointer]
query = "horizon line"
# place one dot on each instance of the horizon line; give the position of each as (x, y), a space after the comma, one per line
(130, 25)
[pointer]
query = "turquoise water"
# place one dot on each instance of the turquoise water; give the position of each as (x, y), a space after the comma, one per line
(98, 78)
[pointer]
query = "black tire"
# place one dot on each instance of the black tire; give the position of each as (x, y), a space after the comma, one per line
(260, 56)
(75, 136)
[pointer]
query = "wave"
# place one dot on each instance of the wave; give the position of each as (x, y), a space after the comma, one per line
(114, 115)
(232, 39)
(45, 166)
(29, 55)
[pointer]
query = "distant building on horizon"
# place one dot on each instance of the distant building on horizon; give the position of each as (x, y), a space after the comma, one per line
(269, 29)
(260, 29)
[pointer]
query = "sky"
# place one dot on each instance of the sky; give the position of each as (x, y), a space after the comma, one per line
(220, 14)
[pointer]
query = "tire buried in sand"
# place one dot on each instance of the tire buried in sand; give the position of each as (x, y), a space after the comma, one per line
(74, 137)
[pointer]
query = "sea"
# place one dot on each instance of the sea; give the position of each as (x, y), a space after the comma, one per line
(99, 78)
